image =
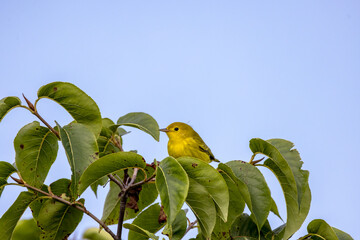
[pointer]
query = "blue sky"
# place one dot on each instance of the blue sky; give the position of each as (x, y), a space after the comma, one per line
(234, 70)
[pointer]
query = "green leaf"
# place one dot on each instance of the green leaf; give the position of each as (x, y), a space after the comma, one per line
(172, 183)
(342, 235)
(81, 150)
(285, 163)
(105, 130)
(236, 208)
(140, 231)
(6, 169)
(202, 205)
(245, 227)
(10, 218)
(147, 220)
(7, 104)
(211, 179)
(106, 146)
(109, 164)
(253, 188)
(79, 105)
(320, 227)
(26, 229)
(142, 121)
(274, 208)
(36, 150)
(94, 234)
(100, 182)
(61, 186)
(58, 220)
(3, 183)
(178, 228)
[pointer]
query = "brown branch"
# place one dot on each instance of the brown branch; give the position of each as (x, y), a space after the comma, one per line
(123, 199)
(122, 213)
(73, 204)
(191, 225)
(133, 176)
(115, 180)
(142, 182)
(34, 111)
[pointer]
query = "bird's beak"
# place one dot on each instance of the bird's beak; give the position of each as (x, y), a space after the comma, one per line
(164, 130)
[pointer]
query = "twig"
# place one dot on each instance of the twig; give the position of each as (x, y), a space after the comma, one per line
(252, 158)
(191, 225)
(74, 204)
(144, 181)
(117, 143)
(34, 111)
(257, 161)
(115, 180)
(134, 176)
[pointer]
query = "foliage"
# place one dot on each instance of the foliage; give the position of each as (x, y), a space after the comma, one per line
(93, 146)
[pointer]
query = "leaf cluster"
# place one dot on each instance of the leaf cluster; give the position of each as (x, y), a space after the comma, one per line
(93, 145)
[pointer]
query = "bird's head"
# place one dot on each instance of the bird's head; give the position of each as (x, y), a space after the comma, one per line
(178, 130)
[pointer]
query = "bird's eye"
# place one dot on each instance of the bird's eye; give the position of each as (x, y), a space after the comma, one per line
(176, 129)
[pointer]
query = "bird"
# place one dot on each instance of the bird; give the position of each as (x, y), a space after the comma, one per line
(185, 142)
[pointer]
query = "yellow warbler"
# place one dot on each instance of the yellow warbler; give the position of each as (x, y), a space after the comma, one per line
(184, 141)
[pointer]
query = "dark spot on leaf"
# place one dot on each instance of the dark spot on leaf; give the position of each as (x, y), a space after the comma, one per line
(37, 176)
(31, 169)
(36, 128)
(22, 146)
(55, 89)
(209, 180)
(97, 153)
(194, 165)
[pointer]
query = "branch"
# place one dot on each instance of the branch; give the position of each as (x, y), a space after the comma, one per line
(122, 213)
(142, 182)
(34, 111)
(115, 180)
(117, 143)
(123, 199)
(256, 161)
(191, 225)
(134, 176)
(74, 204)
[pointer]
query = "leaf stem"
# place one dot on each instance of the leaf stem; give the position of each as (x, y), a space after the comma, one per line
(252, 158)
(33, 110)
(73, 204)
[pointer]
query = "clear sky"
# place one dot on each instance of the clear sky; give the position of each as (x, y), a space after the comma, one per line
(234, 70)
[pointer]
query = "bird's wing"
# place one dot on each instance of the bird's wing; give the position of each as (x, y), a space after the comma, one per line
(206, 149)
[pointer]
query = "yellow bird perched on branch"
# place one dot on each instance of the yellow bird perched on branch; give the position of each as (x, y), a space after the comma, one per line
(184, 141)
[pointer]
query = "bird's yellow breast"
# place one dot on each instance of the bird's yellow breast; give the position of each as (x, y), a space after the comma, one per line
(186, 147)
